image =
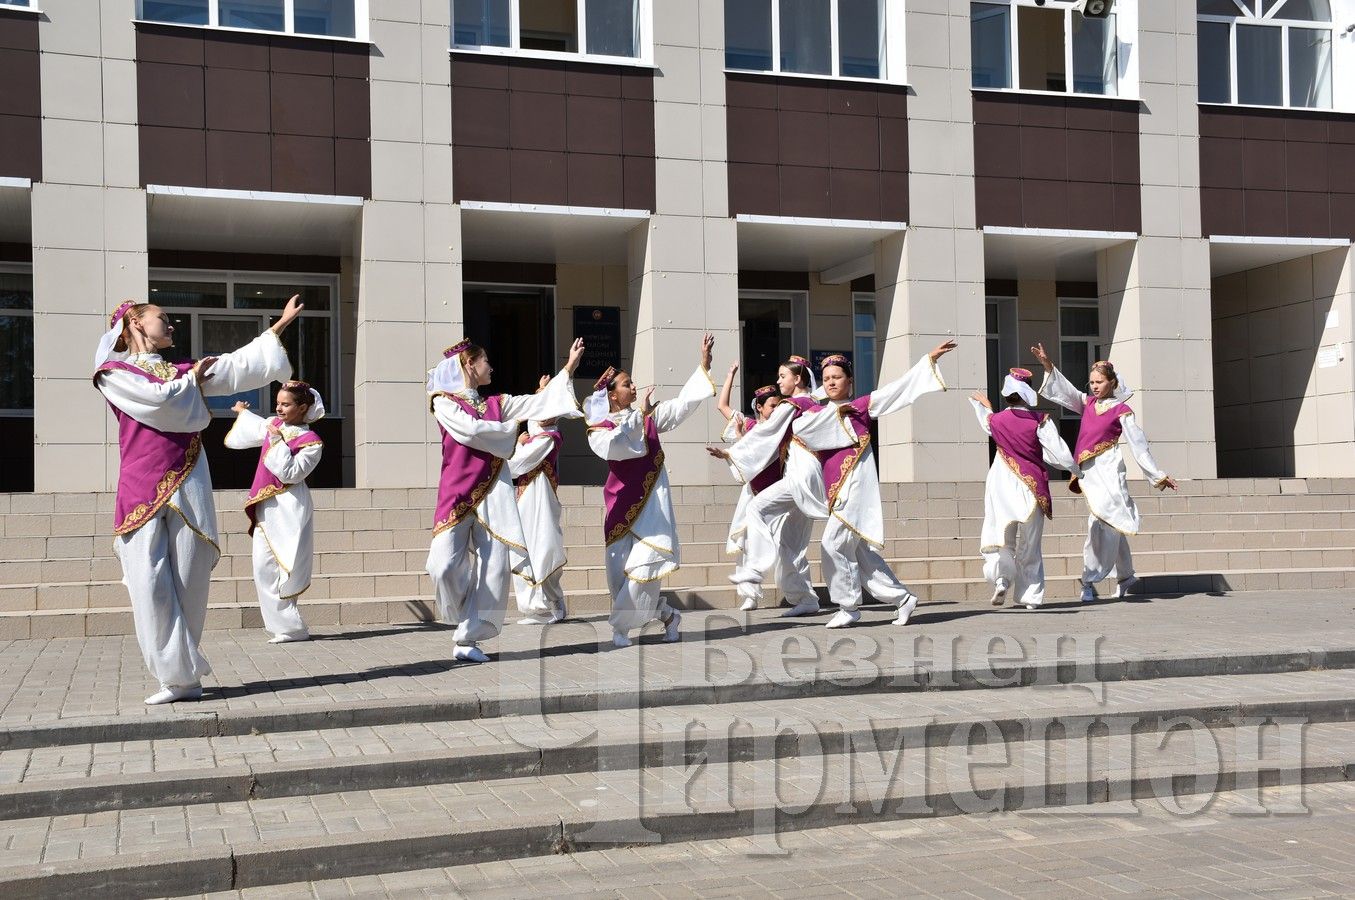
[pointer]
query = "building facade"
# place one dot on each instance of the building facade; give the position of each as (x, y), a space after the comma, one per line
(1171, 187)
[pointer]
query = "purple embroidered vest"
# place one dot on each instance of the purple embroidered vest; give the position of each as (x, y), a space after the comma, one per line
(1014, 432)
(467, 475)
(838, 464)
(549, 466)
(629, 483)
(772, 474)
(1100, 430)
(266, 484)
(153, 463)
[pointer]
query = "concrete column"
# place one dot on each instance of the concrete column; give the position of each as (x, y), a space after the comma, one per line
(930, 280)
(1155, 291)
(409, 280)
(683, 265)
(89, 232)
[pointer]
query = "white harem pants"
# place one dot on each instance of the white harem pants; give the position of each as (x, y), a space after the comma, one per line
(1019, 561)
(784, 551)
(1106, 551)
(471, 574)
(849, 563)
(280, 614)
(167, 569)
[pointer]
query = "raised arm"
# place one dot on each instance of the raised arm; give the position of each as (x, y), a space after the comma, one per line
(553, 400)
(1055, 449)
(619, 441)
(755, 451)
(671, 413)
(498, 438)
(726, 391)
(1055, 387)
(923, 378)
(249, 430)
(983, 409)
(1138, 445)
(174, 406)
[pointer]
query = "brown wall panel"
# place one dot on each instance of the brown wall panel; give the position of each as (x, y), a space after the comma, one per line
(253, 111)
(1277, 173)
(1056, 162)
(20, 100)
(817, 148)
(555, 132)
(254, 262)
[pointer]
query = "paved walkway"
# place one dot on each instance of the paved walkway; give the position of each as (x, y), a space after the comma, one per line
(67, 679)
(1075, 852)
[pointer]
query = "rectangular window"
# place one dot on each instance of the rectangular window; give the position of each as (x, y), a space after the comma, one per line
(24, 3)
(1260, 68)
(806, 37)
(16, 341)
(604, 28)
(990, 45)
(1215, 55)
(325, 18)
(216, 312)
(837, 38)
(863, 342)
(1039, 35)
(1095, 57)
(1310, 68)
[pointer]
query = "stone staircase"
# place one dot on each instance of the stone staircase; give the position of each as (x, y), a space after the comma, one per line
(58, 576)
(247, 790)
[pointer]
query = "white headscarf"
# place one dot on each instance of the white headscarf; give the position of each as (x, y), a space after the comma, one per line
(317, 407)
(449, 376)
(1018, 382)
(596, 407)
(104, 352)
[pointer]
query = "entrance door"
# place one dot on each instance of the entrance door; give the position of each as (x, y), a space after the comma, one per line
(766, 325)
(516, 326)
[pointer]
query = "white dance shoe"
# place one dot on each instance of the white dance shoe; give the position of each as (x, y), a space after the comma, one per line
(844, 618)
(1126, 587)
(1088, 593)
(470, 654)
(906, 610)
(620, 639)
(1000, 592)
(671, 634)
(533, 620)
(748, 605)
(803, 608)
(288, 638)
(173, 694)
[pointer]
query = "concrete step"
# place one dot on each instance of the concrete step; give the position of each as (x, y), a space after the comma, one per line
(336, 553)
(233, 581)
(255, 842)
(63, 780)
(418, 605)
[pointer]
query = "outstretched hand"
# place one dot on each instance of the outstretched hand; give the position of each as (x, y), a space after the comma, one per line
(942, 349)
(575, 355)
(1168, 482)
(289, 314)
(1041, 357)
(718, 452)
(203, 368)
(981, 399)
(707, 350)
(240, 406)
(647, 406)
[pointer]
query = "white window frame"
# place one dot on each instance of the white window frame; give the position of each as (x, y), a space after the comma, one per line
(1126, 53)
(332, 389)
(361, 20)
(644, 40)
(892, 46)
(1339, 99)
(18, 269)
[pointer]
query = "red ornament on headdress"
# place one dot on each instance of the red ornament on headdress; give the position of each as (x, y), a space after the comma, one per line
(121, 310)
(1022, 375)
(764, 392)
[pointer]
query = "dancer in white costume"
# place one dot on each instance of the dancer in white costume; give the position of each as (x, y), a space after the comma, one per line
(535, 470)
(279, 504)
(1114, 517)
(477, 535)
(778, 520)
(165, 519)
(840, 434)
(639, 527)
(1016, 497)
(792, 567)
